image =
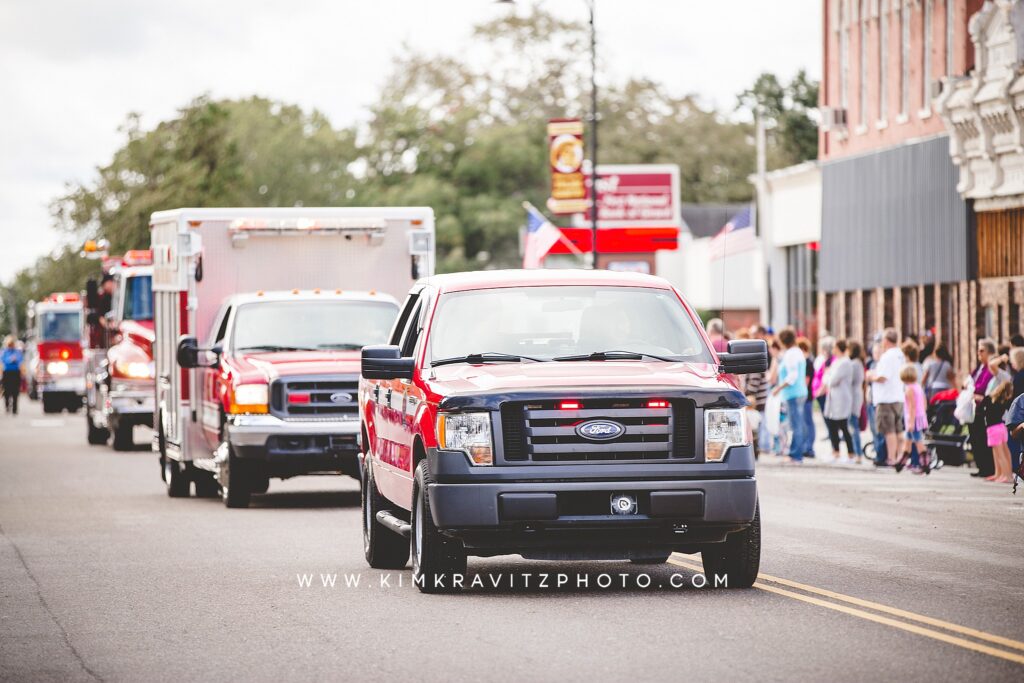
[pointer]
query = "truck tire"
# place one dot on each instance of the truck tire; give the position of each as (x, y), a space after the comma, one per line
(383, 548)
(175, 478)
(739, 558)
(51, 404)
(437, 562)
(235, 486)
(124, 437)
(96, 435)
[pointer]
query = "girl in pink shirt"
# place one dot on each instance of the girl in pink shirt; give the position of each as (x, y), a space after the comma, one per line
(916, 421)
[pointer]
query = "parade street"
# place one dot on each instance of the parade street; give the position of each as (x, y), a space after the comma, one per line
(103, 577)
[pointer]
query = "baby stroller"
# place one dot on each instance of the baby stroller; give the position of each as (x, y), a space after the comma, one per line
(946, 439)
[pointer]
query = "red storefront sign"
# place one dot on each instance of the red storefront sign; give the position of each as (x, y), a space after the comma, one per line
(637, 195)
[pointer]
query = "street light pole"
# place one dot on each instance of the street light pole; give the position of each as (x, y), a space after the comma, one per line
(593, 135)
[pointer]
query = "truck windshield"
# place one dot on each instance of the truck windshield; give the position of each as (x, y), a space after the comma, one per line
(138, 298)
(312, 325)
(549, 323)
(60, 325)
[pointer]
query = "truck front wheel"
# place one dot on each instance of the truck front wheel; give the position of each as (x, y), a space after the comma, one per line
(235, 487)
(124, 436)
(96, 435)
(51, 404)
(738, 559)
(437, 562)
(383, 548)
(175, 478)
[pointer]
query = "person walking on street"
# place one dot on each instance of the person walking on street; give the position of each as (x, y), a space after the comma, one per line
(887, 393)
(792, 389)
(855, 352)
(982, 377)
(838, 386)
(12, 358)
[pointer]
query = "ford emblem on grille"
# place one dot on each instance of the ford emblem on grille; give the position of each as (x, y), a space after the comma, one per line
(341, 397)
(600, 430)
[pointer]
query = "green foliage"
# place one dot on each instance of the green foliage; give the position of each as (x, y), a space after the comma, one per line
(444, 132)
(792, 132)
(63, 272)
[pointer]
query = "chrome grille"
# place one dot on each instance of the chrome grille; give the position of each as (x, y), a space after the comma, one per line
(310, 398)
(546, 432)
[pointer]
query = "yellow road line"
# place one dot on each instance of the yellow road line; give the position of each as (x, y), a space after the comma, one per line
(912, 628)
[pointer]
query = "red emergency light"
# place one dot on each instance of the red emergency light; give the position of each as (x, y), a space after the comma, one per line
(138, 257)
(657, 404)
(63, 298)
(298, 398)
(569, 405)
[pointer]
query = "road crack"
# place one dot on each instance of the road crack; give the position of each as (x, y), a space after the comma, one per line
(42, 601)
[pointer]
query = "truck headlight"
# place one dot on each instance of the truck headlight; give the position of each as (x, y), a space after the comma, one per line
(133, 369)
(469, 433)
(723, 428)
(57, 367)
(249, 398)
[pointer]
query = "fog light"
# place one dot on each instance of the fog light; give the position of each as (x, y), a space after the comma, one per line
(623, 504)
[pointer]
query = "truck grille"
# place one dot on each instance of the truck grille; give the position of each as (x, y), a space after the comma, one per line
(311, 398)
(546, 432)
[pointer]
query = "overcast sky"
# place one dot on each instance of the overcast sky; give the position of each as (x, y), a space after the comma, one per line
(70, 70)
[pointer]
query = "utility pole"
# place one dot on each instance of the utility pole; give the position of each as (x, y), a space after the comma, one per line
(762, 191)
(593, 134)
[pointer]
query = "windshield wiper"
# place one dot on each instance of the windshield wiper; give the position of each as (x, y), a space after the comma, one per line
(613, 355)
(342, 346)
(487, 357)
(274, 347)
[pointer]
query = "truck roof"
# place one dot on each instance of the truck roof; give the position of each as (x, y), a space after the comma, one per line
(232, 213)
(492, 279)
(310, 295)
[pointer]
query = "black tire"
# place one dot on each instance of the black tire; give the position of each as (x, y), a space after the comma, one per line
(739, 558)
(96, 435)
(437, 561)
(124, 437)
(206, 485)
(51, 405)
(175, 478)
(659, 559)
(236, 489)
(382, 547)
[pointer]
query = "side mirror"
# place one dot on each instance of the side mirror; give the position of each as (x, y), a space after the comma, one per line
(744, 356)
(386, 362)
(191, 356)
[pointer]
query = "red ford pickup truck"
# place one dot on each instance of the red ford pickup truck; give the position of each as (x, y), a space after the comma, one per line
(555, 415)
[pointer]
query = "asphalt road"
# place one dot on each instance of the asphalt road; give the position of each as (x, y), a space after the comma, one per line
(103, 577)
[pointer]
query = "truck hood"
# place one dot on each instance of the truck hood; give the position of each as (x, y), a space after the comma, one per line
(140, 333)
(448, 380)
(270, 366)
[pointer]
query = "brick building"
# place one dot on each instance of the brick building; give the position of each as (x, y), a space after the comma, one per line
(897, 236)
(984, 114)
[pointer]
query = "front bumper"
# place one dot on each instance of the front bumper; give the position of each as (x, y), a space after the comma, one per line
(294, 447)
(131, 406)
(564, 511)
(61, 385)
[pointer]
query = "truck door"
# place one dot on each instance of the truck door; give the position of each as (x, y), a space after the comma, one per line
(210, 403)
(385, 408)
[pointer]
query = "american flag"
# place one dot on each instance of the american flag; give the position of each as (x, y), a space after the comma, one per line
(541, 235)
(737, 236)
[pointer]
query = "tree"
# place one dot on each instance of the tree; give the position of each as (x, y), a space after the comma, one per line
(787, 110)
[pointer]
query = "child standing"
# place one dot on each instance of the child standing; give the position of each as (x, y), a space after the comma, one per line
(993, 407)
(916, 421)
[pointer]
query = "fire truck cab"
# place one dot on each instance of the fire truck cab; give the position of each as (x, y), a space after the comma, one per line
(260, 315)
(119, 355)
(55, 369)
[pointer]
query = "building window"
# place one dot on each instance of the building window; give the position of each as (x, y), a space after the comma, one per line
(863, 53)
(926, 60)
(904, 58)
(883, 62)
(950, 10)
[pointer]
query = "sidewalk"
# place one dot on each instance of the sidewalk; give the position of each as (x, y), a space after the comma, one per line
(822, 451)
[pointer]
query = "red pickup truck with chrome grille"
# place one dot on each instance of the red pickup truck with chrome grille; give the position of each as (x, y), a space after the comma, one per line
(555, 415)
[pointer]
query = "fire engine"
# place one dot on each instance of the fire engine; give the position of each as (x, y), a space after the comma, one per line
(282, 300)
(119, 355)
(55, 369)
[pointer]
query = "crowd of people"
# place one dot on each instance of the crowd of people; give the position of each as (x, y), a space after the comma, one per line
(890, 388)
